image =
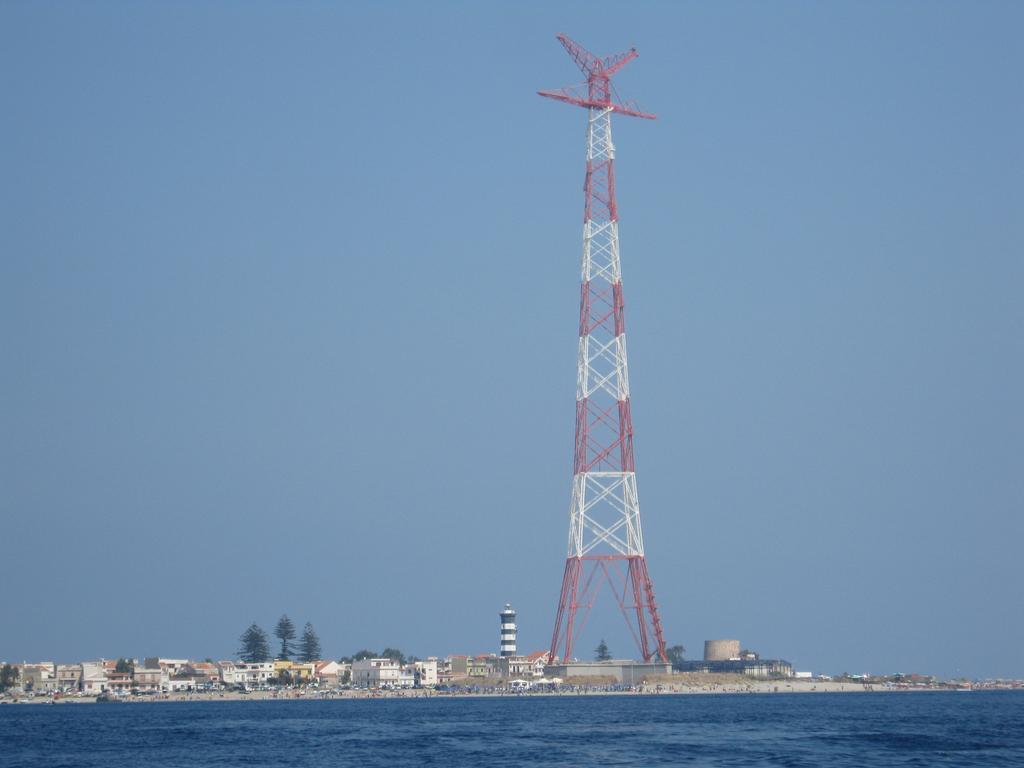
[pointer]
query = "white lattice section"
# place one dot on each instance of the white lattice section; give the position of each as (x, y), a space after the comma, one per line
(601, 361)
(601, 251)
(600, 233)
(605, 511)
(599, 135)
(601, 367)
(604, 515)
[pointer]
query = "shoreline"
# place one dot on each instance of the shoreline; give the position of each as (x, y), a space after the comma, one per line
(663, 689)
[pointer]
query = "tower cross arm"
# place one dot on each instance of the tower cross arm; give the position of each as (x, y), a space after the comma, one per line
(575, 96)
(597, 92)
(613, 64)
(591, 64)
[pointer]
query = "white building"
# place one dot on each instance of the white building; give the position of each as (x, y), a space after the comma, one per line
(539, 660)
(256, 674)
(424, 672)
(69, 677)
(331, 672)
(382, 673)
(148, 680)
(227, 672)
(515, 666)
(94, 678)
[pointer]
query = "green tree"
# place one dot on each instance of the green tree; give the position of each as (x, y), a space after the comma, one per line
(8, 677)
(123, 665)
(309, 645)
(365, 654)
(255, 645)
(675, 655)
(394, 654)
(601, 653)
(285, 632)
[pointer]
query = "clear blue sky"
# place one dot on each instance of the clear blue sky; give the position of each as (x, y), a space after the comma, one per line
(288, 309)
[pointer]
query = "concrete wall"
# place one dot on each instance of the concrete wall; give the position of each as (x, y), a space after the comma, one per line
(625, 672)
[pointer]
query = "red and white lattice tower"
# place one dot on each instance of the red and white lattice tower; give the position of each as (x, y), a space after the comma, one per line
(606, 544)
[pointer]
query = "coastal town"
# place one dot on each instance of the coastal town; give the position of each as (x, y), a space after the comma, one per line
(298, 664)
(298, 669)
(157, 678)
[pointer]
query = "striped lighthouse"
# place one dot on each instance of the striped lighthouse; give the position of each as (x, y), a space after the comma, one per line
(508, 631)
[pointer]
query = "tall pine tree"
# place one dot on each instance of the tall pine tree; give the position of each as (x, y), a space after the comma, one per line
(285, 632)
(8, 677)
(675, 656)
(309, 645)
(255, 645)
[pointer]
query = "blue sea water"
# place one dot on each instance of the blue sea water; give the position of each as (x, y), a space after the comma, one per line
(859, 729)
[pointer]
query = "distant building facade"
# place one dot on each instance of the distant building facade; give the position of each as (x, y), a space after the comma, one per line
(39, 678)
(377, 673)
(69, 677)
(759, 668)
(150, 680)
(295, 671)
(726, 656)
(455, 667)
(94, 678)
(331, 673)
(425, 673)
(253, 675)
(484, 665)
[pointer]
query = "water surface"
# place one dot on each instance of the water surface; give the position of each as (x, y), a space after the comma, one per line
(853, 729)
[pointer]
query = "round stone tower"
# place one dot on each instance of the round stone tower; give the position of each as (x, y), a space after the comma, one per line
(721, 650)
